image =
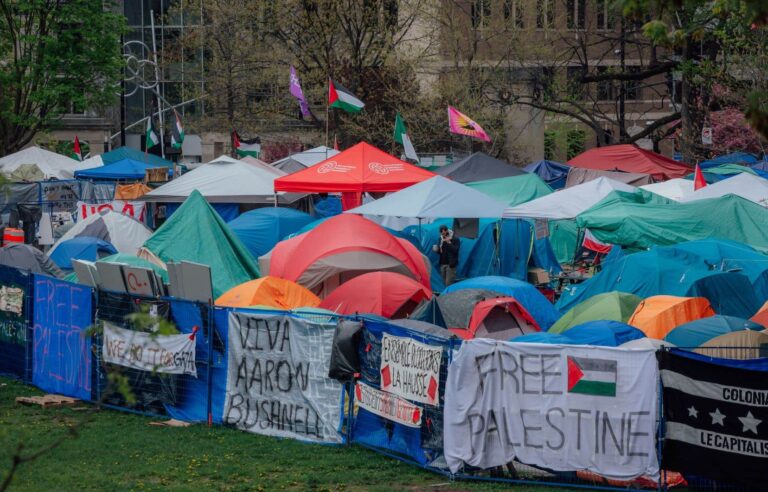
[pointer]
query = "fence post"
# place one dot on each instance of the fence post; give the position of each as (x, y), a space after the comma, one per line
(211, 326)
(29, 313)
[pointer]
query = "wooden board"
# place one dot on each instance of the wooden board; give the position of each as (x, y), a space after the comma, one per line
(171, 423)
(48, 401)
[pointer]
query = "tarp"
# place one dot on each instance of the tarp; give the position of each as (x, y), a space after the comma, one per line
(570, 202)
(700, 331)
(579, 175)
(732, 158)
(513, 190)
(432, 198)
(563, 238)
(269, 291)
(27, 257)
(127, 168)
(50, 164)
(131, 191)
(137, 155)
(196, 233)
(261, 229)
(747, 186)
(386, 294)
(725, 171)
(359, 168)
(658, 315)
(674, 189)
(739, 345)
(553, 173)
(478, 167)
(614, 306)
(81, 248)
(125, 233)
(304, 159)
(630, 159)
(223, 180)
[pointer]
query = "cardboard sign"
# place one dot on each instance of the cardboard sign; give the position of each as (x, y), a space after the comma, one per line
(388, 406)
(410, 369)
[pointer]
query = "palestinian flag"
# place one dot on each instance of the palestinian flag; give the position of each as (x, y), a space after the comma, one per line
(339, 97)
(151, 136)
(78, 153)
(596, 377)
(177, 132)
(401, 137)
(246, 147)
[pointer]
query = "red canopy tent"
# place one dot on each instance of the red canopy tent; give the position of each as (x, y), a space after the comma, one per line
(631, 159)
(358, 169)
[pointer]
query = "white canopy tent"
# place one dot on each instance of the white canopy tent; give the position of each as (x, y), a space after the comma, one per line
(90, 163)
(674, 189)
(307, 158)
(748, 186)
(50, 164)
(568, 203)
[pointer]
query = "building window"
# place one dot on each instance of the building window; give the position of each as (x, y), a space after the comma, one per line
(606, 15)
(604, 87)
(481, 13)
(545, 14)
(576, 89)
(576, 13)
(632, 91)
(513, 13)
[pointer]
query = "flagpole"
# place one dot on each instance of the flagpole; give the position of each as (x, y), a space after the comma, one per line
(157, 77)
(327, 112)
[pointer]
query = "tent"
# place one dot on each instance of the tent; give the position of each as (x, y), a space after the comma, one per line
(434, 197)
(39, 163)
(268, 291)
(261, 229)
(568, 203)
(386, 294)
(726, 171)
(302, 160)
(526, 294)
(453, 308)
(124, 233)
(197, 234)
(658, 315)
(605, 333)
(646, 343)
(502, 318)
(553, 173)
(740, 345)
(580, 175)
(700, 331)
(259, 164)
(513, 190)
(131, 260)
(674, 189)
(732, 158)
(27, 257)
(614, 306)
(630, 159)
(729, 293)
(747, 186)
(125, 169)
(761, 316)
(341, 248)
(121, 153)
(80, 248)
(478, 167)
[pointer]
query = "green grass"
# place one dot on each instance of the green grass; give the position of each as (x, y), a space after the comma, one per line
(120, 451)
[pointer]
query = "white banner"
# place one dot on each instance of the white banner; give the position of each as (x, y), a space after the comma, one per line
(277, 378)
(131, 209)
(168, 354)
(564, 408)
(410, 369)
(388, 406)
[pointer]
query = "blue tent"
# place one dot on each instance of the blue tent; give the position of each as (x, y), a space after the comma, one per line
(696, 333)
(327, 207)
(130, 153)
(543, 337)
(732, 158)
(81, 248)
(262, 228)
(551, 172)
(604, 333)
(127, 168)
(526, 294)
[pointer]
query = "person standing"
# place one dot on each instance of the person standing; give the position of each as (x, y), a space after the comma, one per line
(448, 249)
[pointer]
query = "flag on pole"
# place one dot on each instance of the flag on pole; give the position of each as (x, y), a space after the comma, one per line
(177, 132)
(339, 97)
(462, 124)
(248, 147)
(296, 92)
(698, 179)
(401, 137)
(77, 152)
(151, 136)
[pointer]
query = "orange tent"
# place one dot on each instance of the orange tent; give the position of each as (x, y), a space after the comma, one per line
(658, 315)
(131, 191)
(269, 291)
(761, 316)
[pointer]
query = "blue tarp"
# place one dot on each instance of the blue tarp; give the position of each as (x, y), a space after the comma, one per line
(80, 248)
(261, 229)
(327, 207)
(127, 168)
(733, 158)
(551, 172)
(13, 325)
(697, 332)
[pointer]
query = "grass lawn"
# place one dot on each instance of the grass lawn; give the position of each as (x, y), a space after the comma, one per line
(120, 451)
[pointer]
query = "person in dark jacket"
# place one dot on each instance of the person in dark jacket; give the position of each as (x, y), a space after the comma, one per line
(448, 249)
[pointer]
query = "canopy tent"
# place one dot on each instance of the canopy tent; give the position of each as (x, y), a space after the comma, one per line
(386, 294)
(568, 203)
(81, 248)
(41, 163)
(131, 260)
(739, 345)
(137, 155)
(27, 257)
(700, 331)
(302, 160)
(197, 234)
(261, 229)
(580, 175)
(223, 180)
(434, 197)
(605, 333)
(478, 167)
(123, 232)
(732, 158)
(258, 163)
(674, 189)
(513, 190)
(90, 163)
(127, 169)
(747, 186)
(553, 173)
(630, 159)
(271, 292)
(613, 306)
(502, 318)
(658, 315)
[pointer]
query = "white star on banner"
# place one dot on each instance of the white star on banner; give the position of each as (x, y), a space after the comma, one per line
(692, 412)
(717, 417)
(750, 423)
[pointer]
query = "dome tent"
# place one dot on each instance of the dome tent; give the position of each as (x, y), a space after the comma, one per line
(615, 306)
(269, 291)
(386, 294)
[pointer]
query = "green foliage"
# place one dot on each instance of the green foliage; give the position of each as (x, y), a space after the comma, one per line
(550, 144)
(575, 142)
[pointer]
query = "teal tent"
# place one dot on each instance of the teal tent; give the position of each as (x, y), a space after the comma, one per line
(513, 190)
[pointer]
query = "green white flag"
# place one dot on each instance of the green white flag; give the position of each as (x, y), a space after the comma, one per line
(177, 132)
(401, 137)
(151, 137)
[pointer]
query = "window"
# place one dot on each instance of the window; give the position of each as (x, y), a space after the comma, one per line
(606, 15)
(632, 91)
(604, 87)
(481, 13)
(513, 13)
(576, 89)
(576, 13)
(545, 14)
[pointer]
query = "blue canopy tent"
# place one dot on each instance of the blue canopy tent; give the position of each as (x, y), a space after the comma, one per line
(130, 153)
(262, 228)
(124, 169)
(551, 172)
(81, 248)
(696, 333)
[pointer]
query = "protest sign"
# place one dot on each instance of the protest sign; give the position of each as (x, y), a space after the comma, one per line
(131, 209)
(168, 354)
(564, 408)
(410, 369)
(388, 406)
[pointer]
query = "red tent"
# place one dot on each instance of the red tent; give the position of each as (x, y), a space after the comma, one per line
(631, 159)
(387, 294)
(501, 318)
(358, 169)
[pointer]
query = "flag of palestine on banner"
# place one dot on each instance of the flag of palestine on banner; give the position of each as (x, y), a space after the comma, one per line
(716, 419)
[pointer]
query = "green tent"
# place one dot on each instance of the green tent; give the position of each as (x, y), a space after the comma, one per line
(126, 259)
(196, 233)
(614, 306)
(513, 190)
(623, 219)
(563, 235)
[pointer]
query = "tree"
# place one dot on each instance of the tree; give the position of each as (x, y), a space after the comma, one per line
(54, 56)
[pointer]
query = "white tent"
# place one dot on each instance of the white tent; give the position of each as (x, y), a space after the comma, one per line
(568, 203)
(435, 197)
(50, 164)
(125, 233)
(753, 188)
(309, 157)
(90, 163)
(223, 180)
(262, 165)
(674, 189)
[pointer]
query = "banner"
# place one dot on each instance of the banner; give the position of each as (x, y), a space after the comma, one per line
(388, 406)
(410, 369)
(131, 209)
(168, 354)
(716, 419)
(564, 408)
(277, 378)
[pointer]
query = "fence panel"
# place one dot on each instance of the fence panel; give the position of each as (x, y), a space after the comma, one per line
(16, 303)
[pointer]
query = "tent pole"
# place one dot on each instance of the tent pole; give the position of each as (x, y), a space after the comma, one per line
(275, 200)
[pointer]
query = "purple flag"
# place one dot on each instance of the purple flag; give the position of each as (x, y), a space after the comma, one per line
(298, 93)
